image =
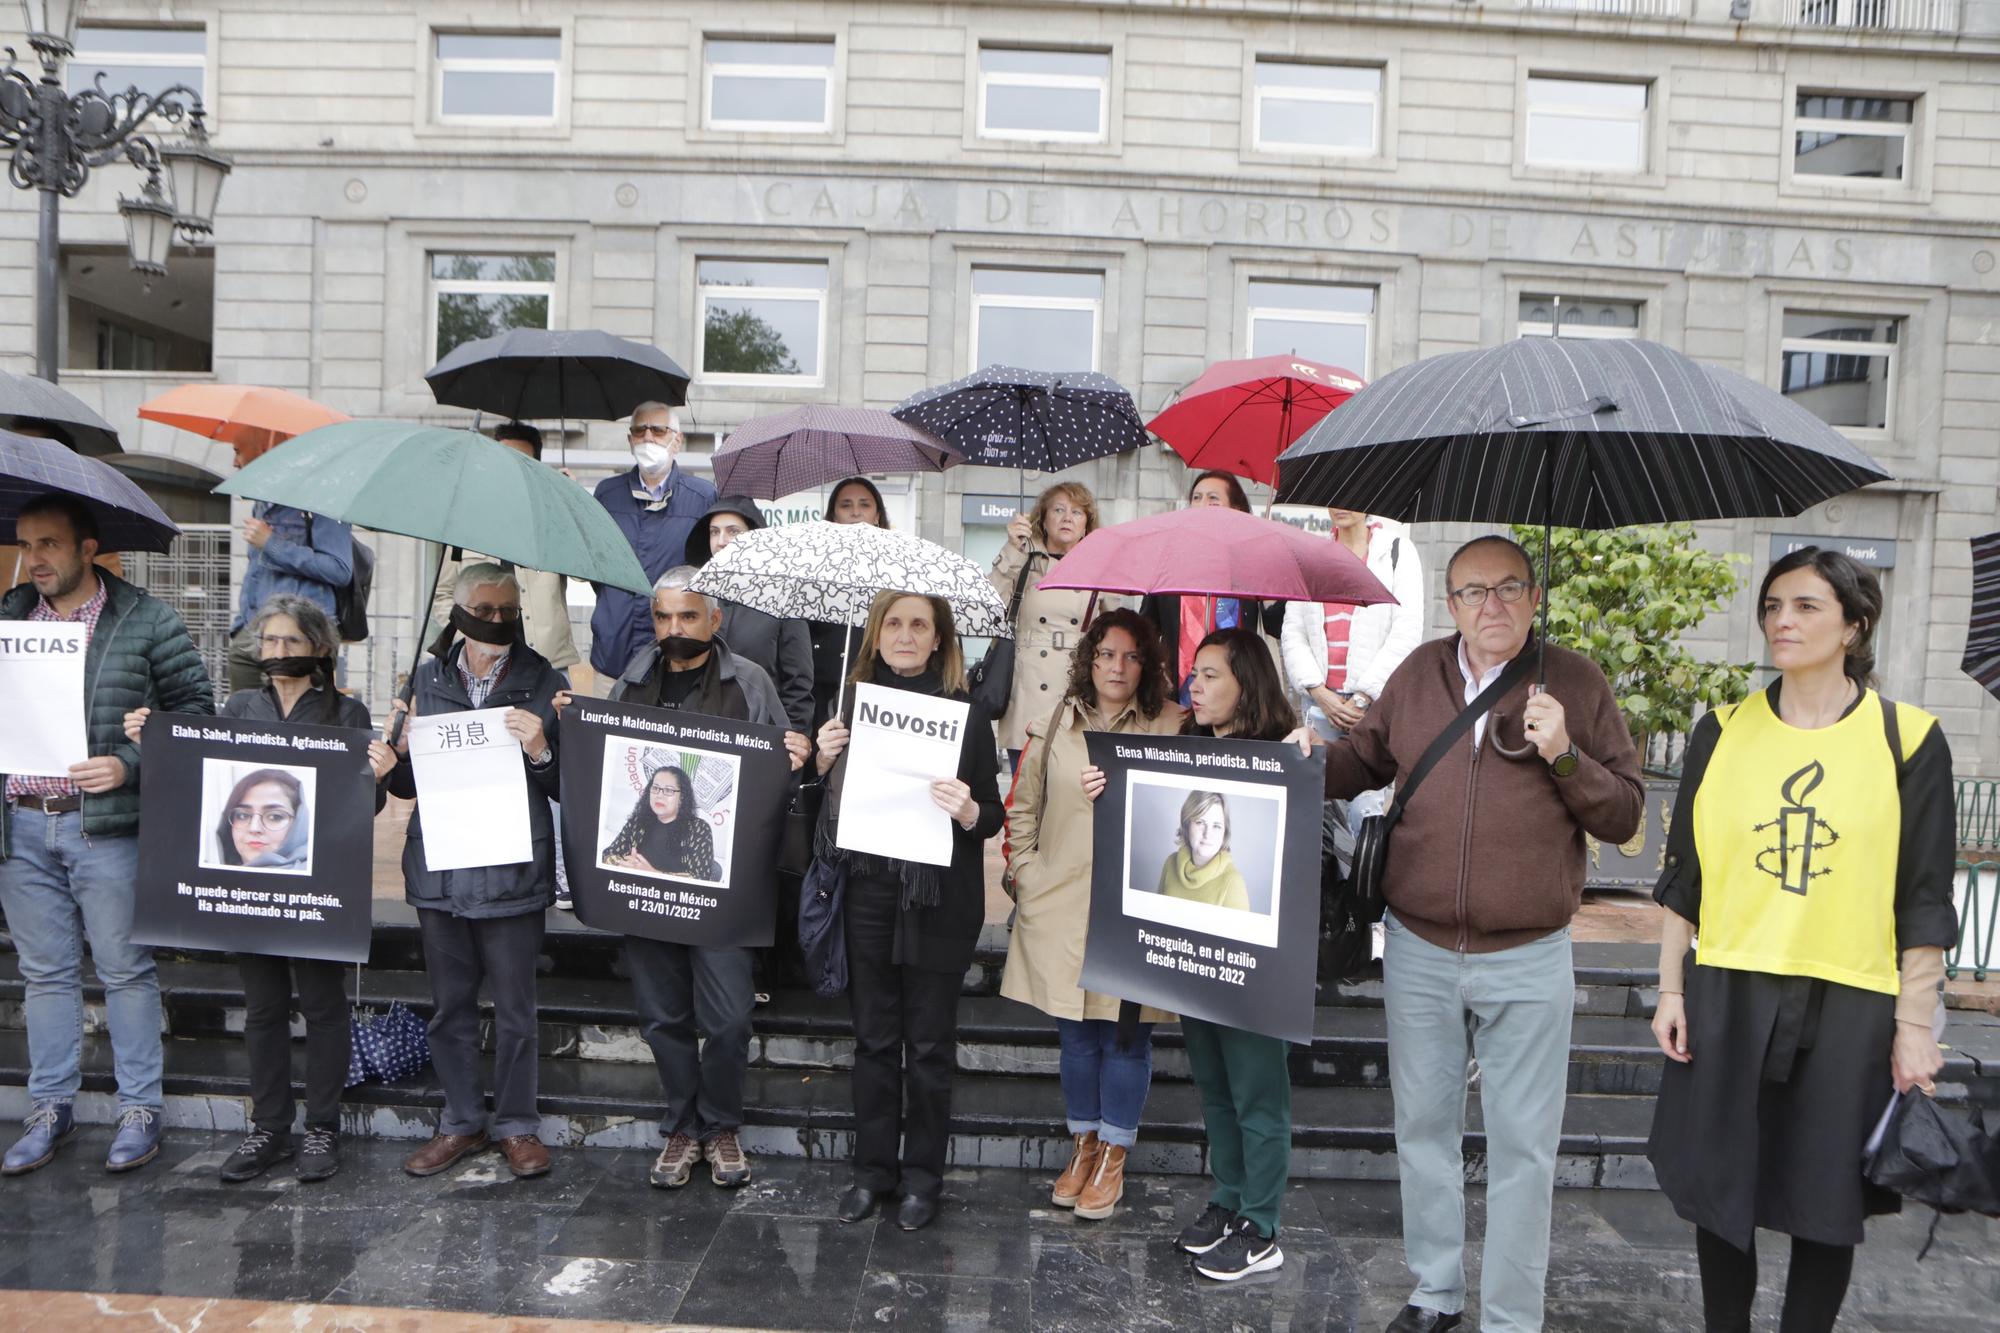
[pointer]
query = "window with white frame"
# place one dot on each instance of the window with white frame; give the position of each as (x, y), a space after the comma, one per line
(1841, 367)
(1586, 124)
(1852, 136)
(1325, 322)
(1036, 319)
(768, 84)
(479, 295)
(762, 320)
(1556, 316)
(1031, 93)
(1304, 107)
(151, 59)
(496, 78)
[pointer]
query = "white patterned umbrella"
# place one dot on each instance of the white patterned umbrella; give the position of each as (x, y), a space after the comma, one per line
(830, 572)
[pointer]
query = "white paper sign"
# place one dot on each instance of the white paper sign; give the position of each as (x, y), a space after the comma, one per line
(900, 743)
(41, 689)
(472, 794)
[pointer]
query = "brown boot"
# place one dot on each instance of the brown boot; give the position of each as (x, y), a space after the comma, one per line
(442, 1152)
(1107, 1186)
(1082, 1162)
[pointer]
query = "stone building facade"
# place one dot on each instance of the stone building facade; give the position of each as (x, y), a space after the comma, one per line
(888, 194)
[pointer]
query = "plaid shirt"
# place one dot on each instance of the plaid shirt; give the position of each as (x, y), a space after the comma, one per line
(477, 688)
(87, 614)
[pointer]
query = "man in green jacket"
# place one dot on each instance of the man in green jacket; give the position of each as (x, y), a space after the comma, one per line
(69, 846)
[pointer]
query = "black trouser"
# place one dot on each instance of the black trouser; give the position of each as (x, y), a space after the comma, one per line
(267, 1038)
(905, 1047)
(1815, 1286)
(677, 988)
(459, 953)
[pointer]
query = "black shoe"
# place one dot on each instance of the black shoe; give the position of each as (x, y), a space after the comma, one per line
(915, 1212)
(1418, 1319)
(1206, 1232)
(259, 1152)
(858, 1203)
(319, 1155)
(1245, 1250)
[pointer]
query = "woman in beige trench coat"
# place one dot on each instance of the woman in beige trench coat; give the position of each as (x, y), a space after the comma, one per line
(1117, 682)
(1049, 623)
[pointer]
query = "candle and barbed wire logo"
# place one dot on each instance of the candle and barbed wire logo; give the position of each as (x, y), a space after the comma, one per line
(1801, 833)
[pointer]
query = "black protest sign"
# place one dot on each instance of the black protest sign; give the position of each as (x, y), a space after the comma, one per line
(671, 822)
(1204, 895)
(255, 837)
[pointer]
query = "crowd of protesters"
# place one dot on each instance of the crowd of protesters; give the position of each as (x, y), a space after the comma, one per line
(1780, 1032)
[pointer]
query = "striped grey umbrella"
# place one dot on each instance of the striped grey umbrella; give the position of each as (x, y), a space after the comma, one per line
(1982, 636)
(127, 518)
(809, 446)
(1597, 433)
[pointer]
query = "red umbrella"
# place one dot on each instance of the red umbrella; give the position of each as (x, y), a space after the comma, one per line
(1213, 552)
(1240, 415)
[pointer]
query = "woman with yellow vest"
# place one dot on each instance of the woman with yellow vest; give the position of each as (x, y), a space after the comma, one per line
(1810, 855)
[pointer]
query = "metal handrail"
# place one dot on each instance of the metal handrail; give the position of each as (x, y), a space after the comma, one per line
(1977, 931)
(1978, 806)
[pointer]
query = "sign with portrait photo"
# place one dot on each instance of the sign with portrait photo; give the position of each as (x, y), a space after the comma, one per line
(1204, 893)
(671, 822)
(255, 837)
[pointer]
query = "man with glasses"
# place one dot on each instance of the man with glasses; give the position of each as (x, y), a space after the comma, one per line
(484, 923)
(1485, 870)
(657, 507)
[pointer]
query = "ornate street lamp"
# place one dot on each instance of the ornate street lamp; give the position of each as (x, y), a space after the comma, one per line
(55, 137)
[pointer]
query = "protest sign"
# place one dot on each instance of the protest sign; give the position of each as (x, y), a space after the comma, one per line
(899, 742)
(472, 794)
(671, 822)
(1204, 894)
(255, 837)
(41, 683)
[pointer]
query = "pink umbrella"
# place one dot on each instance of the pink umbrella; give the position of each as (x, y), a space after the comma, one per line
(1213, 552)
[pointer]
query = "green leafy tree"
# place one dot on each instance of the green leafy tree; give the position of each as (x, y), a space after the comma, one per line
(739, 342)
(1623, 597)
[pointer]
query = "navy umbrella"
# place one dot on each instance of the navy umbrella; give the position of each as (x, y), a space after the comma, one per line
(127, 519)
(1982, 636)
(544, 373)
(1003, 416)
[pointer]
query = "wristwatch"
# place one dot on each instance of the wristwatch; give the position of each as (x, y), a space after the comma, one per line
(1565, 763)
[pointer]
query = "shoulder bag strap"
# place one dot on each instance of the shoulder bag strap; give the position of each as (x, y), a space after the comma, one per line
(1457, 728)
(1892, 731)
(1020, 588)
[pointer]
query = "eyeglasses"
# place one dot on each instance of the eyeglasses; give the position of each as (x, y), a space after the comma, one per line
(284, 644)
(505, 614)
(1473, 595)
(660, 429)
(276, 821)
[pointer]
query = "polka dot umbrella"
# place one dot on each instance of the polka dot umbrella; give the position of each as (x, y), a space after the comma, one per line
(1029, 420)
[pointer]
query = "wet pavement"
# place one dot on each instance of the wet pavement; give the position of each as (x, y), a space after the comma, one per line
(593, 1241)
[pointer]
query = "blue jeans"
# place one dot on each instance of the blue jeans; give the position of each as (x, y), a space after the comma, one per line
(59, 888)
(1104, 1088)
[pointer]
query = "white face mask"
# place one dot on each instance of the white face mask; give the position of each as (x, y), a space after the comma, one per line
(652, 457)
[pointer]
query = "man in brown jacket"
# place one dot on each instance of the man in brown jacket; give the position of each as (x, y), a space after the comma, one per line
(1484, 872)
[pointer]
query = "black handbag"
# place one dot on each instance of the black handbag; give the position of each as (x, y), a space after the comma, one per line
(990, 682)
(795, 839)
(1351, 904)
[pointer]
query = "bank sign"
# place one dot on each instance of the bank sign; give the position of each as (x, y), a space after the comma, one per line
(1874, 552)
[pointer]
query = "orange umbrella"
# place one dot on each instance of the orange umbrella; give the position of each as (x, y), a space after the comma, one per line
(248, 416)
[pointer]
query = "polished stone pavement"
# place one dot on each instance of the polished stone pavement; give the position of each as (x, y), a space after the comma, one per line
(594, 1241)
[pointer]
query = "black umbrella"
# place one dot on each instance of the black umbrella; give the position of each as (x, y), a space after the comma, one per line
(1002, 416)
(1581, 433)
(528, 373)
(127, 519)
(1982, 636)
(26, 401)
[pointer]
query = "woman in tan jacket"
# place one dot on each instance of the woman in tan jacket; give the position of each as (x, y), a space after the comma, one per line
(1117, 683)
(1048, 624)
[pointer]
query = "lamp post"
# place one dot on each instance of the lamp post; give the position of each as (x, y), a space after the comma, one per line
(55, 137)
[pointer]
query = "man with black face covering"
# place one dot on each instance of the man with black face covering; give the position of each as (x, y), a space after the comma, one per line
(680, 989)
(485, 923)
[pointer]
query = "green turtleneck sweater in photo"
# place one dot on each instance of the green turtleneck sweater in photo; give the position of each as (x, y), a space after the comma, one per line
(1219, 882)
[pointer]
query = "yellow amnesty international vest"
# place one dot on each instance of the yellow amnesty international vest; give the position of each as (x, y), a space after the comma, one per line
(1799, 833)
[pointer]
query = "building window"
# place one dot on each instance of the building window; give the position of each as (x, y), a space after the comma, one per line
(762, 320)
(116, 319)
(479, 295)
(122, 348)
(1063, 96)
(1841, 368)
(1544, 316)
(1315, 321)
(1036, 319)
(498, 78)
(1312, 108)
(1587, 124)
(149, 59)
(1852, 137)
(755, 84)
